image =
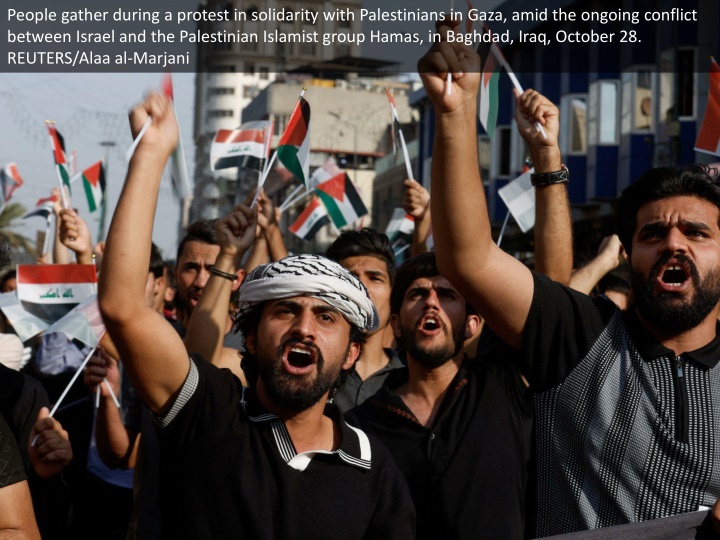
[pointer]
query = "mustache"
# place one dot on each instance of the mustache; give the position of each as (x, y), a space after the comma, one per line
(306, 344)
(682, 259)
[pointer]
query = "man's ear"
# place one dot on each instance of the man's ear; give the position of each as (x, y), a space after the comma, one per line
(472, 323)
(240, 276)
(352, 356)
(250, 342)
(395, 325)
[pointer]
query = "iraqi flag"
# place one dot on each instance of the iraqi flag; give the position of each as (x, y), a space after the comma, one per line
(402, 225)
(50, 291)
(94, 184)
(244, 148)
(488, 99)
(341, 199)
(43, 208)
(708, 139)
(310, 221)
(293, 150)
(10, 180)
(57, 143)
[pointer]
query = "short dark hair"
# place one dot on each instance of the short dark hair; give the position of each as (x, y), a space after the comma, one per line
(365, 242)
(199, 231)
(157, 265)
(420, 266)
(247, 322)
(10, 274)
(693, 181)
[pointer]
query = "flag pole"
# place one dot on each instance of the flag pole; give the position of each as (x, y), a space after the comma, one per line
(504, 226)
(295, 201)
(448, 80)
(65, 202)
(67, 389)
(46, 243)
(265, 173)
(500, 57)
(290, 198)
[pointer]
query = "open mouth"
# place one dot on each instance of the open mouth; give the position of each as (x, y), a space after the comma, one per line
(675, 275)
(430, 324)
(300, 357)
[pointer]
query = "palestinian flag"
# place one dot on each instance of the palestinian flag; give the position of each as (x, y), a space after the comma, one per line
(310, 221)
(83, 323)
(401, 225)
(293, 150)
(10, 180)
(58, 148)
(708, 139)
(50, 291)
(488, 100)
(397, 135)
(244, 148)
(326, 172)
(341, 199)
(94, 183)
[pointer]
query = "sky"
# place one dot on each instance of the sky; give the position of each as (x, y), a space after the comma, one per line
(92, 107)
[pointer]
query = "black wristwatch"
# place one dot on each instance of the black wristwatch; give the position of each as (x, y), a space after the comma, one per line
(546, 179)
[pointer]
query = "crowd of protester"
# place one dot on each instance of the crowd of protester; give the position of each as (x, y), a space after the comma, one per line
(461, 395)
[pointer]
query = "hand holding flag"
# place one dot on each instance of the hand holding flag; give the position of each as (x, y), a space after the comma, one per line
(532, 109)
(153, 125)
(456, 58)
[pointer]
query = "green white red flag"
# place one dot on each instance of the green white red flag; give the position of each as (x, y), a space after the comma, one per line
(293, 150)
(94, 184)
(341, 199)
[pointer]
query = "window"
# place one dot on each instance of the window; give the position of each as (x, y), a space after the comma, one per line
(220, 113)
(249, 68)
(223, 68)
(637, 107)
(264, 73)
(249, 91)
(221, 91)
(603, 113)
(573, 131)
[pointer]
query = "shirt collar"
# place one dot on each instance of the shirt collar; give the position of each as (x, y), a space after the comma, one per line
(650, 348)
(354, 447)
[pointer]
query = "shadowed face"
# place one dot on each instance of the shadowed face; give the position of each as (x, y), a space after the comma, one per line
(675, 262)
(433, 323)
(193, 271)
(301, 345)
(372, 272)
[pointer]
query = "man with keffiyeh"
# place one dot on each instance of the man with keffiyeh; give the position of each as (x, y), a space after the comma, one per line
(271, 460)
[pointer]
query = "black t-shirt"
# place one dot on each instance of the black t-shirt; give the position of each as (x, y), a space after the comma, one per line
(11, 467)
(467, 472)
(229, 470)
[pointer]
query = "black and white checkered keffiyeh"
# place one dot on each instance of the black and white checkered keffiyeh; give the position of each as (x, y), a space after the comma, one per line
(315, 276)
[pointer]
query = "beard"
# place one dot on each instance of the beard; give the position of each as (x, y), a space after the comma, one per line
(432, 357)
(295, 392)
(669, 311)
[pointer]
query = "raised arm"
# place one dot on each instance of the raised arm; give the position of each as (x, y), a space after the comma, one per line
(153, 354)
(74, 235)
(235, 234)
(416, 202)
(267, 219)
(607, 259)
(553, 221)
(496, 284)
(61, 255)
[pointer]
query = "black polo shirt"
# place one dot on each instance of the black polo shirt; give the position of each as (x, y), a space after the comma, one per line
(229, 470)
(467, 472)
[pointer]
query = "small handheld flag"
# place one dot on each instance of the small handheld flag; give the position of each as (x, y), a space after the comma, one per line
(398, 134)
